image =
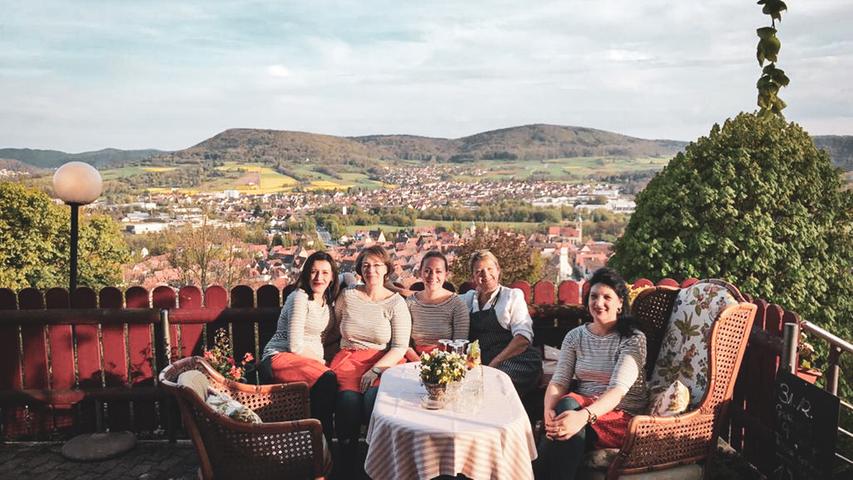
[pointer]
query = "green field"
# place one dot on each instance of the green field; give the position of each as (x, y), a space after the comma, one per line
(255, 178)
(565, 169)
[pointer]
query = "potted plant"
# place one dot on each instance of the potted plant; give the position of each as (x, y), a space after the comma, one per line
(437, 370)
(806, 353)
(220, 358)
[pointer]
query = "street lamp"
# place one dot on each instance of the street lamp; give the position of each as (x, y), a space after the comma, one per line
(76, 184)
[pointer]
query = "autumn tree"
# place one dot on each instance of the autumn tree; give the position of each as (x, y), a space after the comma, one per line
(519, 261)
(207, 254)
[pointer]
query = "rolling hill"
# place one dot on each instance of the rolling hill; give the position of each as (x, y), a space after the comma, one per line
(106, 158)
(291, 149)
(529, 142)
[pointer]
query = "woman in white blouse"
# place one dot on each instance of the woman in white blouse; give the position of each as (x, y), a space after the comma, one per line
(499, 319)
(295, 351)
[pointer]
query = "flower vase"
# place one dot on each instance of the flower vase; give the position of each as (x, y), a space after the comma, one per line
(436, 395)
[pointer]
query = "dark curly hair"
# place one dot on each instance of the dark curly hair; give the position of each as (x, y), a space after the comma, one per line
(304, 281)
(625, 323)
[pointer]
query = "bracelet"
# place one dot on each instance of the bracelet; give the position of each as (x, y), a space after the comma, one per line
(591, 417)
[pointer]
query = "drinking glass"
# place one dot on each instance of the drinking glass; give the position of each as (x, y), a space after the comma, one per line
(445, 344)
(460, 346)
(471, 394)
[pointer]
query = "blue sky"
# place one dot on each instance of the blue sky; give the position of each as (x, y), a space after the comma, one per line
(84, 75)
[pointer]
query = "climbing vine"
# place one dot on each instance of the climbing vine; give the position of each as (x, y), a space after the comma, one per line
(772, 79)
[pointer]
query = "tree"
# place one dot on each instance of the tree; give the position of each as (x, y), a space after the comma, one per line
(207, 254)
(34, 243)
(756, 203)
(519, 261)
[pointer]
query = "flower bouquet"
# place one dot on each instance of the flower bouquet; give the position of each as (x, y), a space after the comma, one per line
(221, 359)
(438, 370)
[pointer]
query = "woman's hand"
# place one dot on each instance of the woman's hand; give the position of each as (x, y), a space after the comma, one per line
(367, 380)
(565, 425)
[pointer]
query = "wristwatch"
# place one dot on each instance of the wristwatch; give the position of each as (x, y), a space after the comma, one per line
(377, 370)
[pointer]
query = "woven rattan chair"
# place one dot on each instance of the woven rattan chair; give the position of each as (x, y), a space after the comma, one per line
(287, 445)
(657, 443)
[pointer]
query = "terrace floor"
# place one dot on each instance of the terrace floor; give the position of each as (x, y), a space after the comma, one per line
(160, 460)
(149, 460)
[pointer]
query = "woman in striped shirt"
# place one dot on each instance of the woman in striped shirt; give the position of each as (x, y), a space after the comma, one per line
(375, 326)
(607, 358)
(295, 351)
(436, 313)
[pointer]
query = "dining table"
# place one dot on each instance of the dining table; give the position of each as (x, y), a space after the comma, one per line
(490, 438)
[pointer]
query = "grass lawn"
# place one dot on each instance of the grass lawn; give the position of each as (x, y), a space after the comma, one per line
(565, 169)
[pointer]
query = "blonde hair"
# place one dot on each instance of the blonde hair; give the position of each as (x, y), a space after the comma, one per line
(481, 255)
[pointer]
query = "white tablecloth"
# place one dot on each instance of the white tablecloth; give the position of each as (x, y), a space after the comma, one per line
(408, 441)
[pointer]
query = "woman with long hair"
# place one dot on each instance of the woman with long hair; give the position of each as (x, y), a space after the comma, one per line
(607, 359)
(500, 321)
(375, 326)
(295, 351)
(436, 313)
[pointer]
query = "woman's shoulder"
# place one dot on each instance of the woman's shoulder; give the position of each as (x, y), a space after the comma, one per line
(298, 294)
(636, 339)
(468, 296)
(514, 294)
(573, 336)
(295, 296)
(397, 299)
(457, 301)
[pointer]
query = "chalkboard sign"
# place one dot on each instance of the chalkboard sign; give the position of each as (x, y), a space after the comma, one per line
(806, 429)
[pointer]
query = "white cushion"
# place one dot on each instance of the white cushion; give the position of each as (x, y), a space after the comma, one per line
(195, 381)
(673, 401)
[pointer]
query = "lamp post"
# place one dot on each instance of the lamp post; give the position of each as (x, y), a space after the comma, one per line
(76, 184)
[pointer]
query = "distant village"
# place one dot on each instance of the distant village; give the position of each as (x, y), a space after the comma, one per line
(562, 246)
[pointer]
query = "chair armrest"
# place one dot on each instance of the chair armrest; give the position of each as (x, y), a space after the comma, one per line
(659, 442)
(275, 403)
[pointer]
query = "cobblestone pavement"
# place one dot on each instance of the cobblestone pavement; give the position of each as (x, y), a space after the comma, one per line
(154, 460)
(149, 460)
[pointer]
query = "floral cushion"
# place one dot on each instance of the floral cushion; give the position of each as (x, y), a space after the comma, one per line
(684, 349)
(673, 401)
(225, 405)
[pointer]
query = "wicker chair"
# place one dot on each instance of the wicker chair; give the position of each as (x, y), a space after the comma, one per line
(287, 445)
(657, 443)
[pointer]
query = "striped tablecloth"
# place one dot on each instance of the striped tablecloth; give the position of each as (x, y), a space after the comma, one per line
(408, 441)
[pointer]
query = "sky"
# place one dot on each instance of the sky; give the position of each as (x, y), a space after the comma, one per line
(85, 75)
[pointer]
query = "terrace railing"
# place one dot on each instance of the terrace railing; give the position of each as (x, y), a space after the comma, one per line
(69, 361)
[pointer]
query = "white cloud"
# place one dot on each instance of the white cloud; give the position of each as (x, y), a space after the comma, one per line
(278, 71)
(162, 75)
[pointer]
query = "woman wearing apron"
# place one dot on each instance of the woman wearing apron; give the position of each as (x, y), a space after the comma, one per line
(502, 324)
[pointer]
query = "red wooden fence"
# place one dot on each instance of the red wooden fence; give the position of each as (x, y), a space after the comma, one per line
(50, 367)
